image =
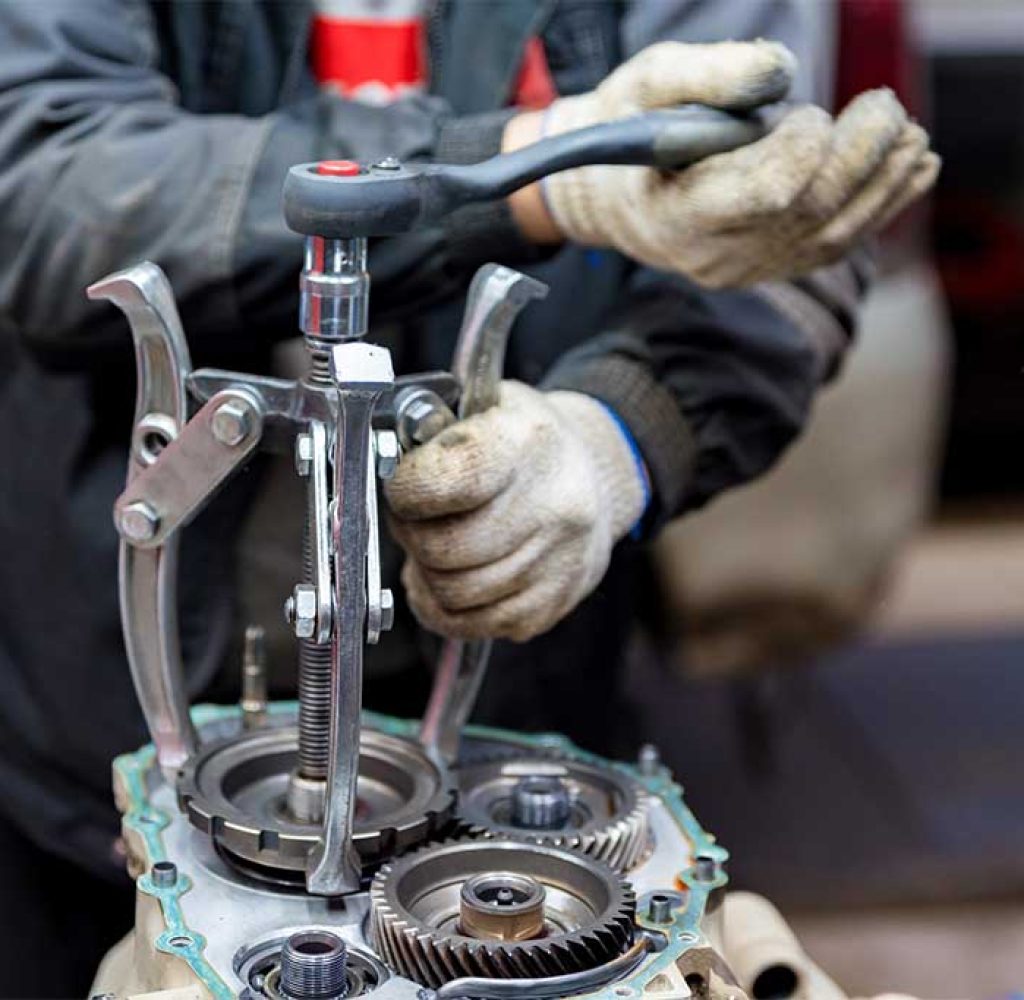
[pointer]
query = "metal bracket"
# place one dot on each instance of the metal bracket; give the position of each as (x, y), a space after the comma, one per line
(496, 296)
(170, 492)
(361, 373)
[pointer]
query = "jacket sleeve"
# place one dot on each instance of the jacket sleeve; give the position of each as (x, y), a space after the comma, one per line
(101, 167)
(715, 384)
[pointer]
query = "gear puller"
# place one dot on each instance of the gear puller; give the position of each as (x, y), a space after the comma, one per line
(281, 801)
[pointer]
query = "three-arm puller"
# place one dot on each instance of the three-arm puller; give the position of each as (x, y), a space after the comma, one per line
(320, 802)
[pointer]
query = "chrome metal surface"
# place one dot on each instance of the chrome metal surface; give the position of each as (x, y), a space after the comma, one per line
(568, 985)
(334, 290)
(387, 453)
(540, 802)
(147, 577)
(314, 966)
(313, 618)
(415, 913)
(606, 813)
(420, 414)
(496, 296)
(236, 790)
(360, 372)
(374, 592)
(192, 466)
(320, 531)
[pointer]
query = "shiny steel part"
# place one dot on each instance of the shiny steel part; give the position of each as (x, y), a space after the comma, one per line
(314, 966)
(608, 811)
(360, 372)
(262, 970)
(190, 468)
(254, 678)
(320, 530)
(502, 906)
(496, 296)
(551, 988)
(420, 414)
(314, 648)
(415, 913)
(374, 593)
(334, 290)
(235, 790)
(540, 802)
(147, 578)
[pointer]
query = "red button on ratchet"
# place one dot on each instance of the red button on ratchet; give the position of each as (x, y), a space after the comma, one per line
(338, 168)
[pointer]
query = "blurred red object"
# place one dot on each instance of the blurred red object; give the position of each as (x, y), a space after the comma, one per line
(875, 51)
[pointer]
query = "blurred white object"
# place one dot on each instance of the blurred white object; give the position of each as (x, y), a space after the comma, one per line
(785, 567)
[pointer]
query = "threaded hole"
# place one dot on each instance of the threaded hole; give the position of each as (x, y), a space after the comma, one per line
(777, 982)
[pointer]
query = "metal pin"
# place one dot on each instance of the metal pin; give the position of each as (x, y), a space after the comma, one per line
(649, 760)
(254, 678)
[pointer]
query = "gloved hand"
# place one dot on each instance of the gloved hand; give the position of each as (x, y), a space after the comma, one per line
(508, 518)
(797, 199)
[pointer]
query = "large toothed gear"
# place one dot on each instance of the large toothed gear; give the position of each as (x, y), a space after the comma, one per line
(498, 909)
(597, 811)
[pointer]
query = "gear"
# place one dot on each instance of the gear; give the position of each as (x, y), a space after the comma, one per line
(470, 908)
(236, 791)
(557, 801)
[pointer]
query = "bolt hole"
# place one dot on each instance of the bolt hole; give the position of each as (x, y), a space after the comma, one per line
(698, 985)
(180, 941)
(623, 991)
(153, 442)
(777, 982)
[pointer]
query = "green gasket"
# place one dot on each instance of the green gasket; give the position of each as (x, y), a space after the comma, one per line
(178, 940)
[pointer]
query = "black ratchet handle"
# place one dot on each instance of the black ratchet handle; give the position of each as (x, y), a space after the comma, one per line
(388, 198)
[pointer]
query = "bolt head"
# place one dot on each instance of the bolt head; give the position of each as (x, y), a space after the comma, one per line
(231, 422)
(303, 454)
(387, 610)
(422, 421)
(388, 453)
(139, 522)
(304, 596)
(389, 163)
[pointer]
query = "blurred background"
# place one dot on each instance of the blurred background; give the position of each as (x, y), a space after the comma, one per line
(877, 796)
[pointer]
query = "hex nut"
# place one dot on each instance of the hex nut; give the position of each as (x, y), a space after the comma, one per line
(424, 421)
(388, 453)
(231, 422)
(387, 610)
(303, 454)
(304, 596)
(139, 522)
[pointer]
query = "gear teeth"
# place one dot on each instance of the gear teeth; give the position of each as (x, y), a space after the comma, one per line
(622, 842)
(434, 955)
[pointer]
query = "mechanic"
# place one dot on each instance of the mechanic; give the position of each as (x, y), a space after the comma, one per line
(134, 130)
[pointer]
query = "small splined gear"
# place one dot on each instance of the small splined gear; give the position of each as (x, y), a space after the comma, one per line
(419, 912)
(605, 815)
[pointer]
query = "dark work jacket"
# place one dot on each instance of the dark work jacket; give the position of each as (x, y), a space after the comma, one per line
(135, 130)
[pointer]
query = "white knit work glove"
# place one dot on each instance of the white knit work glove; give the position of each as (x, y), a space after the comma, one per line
(508, 518)
(795, 200)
